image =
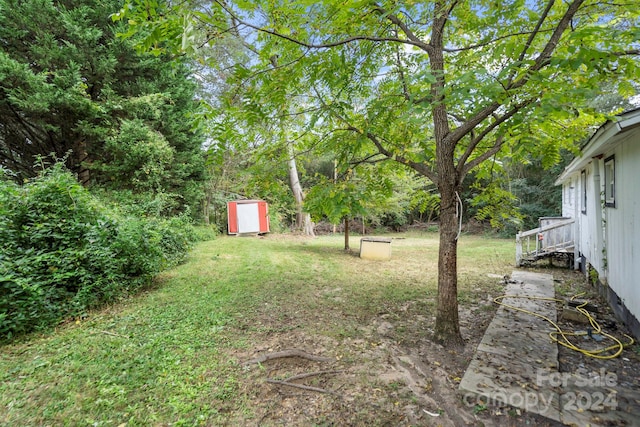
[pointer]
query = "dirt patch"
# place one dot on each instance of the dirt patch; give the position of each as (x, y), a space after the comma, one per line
(384, 370)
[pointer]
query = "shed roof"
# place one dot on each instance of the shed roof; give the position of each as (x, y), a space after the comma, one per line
(246, 201)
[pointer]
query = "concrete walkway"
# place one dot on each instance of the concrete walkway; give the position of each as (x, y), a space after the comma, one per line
(516, 364)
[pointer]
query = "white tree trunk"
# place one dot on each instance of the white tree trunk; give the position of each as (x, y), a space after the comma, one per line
(303, 220)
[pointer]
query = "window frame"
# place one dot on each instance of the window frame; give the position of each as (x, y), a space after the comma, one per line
(583, 185)
(610, 181)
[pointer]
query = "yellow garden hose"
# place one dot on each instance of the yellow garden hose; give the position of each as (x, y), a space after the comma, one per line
(618, 346)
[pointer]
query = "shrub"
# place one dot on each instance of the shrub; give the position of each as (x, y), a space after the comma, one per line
(63, 252)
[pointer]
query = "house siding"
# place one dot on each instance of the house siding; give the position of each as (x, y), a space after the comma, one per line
(622, 232)
(569, 209)
(607, 236)
(588, 223)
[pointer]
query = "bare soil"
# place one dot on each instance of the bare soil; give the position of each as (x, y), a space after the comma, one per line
(384, 370)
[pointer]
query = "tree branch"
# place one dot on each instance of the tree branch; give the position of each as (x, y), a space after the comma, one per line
(403, 81)
(627, 52)
(484, 156)
(441, 127)
(418, 167)
(411, 36)
(462, 130)
(536, 30)
(478, 138)
(323, 45)
(541, 61)
(288, 353)
(543, 58)
(300, 386)
(370, 159)
(313, 374)
(488, 42)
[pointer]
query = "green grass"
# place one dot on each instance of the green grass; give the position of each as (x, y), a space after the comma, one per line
(164, 357)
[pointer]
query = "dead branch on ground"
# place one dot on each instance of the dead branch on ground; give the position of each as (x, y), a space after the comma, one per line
(288, 353)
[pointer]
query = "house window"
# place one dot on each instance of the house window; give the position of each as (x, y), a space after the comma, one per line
(583, 185)
(610, 182)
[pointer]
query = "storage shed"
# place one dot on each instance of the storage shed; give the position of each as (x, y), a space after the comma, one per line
(248, 217)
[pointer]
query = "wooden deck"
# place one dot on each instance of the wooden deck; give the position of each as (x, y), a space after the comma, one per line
(552, 240)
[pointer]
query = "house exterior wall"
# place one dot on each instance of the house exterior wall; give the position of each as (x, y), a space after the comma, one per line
(569, 208)
(622, 235)
(586, 216)
(581, 201)
(607, 236)
(594, 225)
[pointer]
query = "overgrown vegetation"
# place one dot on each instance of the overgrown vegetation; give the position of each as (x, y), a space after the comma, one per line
(122, 119)
(62, 251)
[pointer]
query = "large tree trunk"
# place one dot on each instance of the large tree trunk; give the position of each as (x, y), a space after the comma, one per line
(296, 189)
(447, 329)
(80, 162)
(346, 233)
(206, 206)
(303, 220)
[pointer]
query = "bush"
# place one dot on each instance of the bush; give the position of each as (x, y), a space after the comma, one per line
(63, 252)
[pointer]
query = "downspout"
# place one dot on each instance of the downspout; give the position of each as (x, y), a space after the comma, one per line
(600, 225)
(575, 193)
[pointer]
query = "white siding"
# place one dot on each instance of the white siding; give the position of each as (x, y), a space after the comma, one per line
(588, 222)
(568, 199)
(609, 236)
(623, 233)
(585, 216)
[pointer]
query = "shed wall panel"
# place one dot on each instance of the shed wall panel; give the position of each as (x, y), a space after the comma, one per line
(263, 216)
(232, 217)
(248, 219)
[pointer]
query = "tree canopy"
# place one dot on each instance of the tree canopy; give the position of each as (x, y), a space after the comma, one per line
(440, 86)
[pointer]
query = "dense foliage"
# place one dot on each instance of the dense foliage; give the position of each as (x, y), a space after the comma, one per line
(71, 87)
(62, 251)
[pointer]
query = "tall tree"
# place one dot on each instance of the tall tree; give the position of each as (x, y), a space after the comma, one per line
(439, 86)
(69, 86)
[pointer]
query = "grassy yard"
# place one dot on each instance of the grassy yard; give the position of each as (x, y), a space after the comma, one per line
(171, 356)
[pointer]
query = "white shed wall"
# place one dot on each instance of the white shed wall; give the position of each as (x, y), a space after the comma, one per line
(248, 219)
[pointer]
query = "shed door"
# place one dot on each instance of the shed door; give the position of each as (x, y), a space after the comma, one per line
(232, 217)
(263, 216)
(248, 219)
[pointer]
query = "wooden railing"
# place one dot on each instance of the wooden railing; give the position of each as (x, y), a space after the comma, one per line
(553, 235)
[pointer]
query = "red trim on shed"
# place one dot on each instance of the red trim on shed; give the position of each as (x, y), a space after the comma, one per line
(232, 217)
(233, 222)
(263, 213)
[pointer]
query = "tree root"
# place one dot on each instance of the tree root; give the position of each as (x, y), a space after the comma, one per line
(303, 355)
(288, 382)
(312, 374)
(288, 353)
(302, 386)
